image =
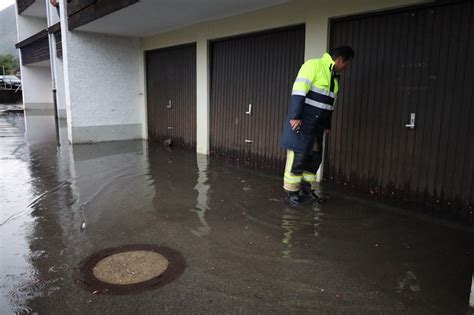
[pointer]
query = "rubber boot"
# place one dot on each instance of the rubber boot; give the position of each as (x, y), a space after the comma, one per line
(308, 191)
(294, 198)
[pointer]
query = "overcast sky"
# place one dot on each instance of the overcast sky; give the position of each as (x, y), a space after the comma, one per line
(6, 3)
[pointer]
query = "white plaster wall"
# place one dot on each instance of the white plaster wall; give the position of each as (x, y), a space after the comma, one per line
(53, 17)
(104, 86)
(56, 63)
(60, 93)
(36, 80)
(103, 79)
(315, 14)
(29, 25)
(67, 90)
(36, 85)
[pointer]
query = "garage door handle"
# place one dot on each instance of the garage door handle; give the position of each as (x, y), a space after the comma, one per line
(248, 141)
(249, 112)
(411, 125)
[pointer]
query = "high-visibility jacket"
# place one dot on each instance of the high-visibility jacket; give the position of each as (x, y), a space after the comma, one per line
(312, 101)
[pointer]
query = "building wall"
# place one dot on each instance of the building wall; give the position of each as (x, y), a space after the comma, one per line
(104, 90)
(29, 25)
(57, 64)
(53, 17)
(60, 94)
(314, 14)
(36, 85)
(36, 79)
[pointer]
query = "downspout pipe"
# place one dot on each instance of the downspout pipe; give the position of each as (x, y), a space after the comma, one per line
(52, 63)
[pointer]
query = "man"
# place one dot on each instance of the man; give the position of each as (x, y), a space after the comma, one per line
(309, 117)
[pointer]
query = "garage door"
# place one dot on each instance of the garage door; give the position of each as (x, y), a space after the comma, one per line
(404, 122)
(171, 94)
(251, 79)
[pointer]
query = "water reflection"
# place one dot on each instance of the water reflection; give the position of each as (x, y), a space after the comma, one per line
(110, 181)
(39, 127)
(408, 282)
(295, 219)
(471, 296)
(202, 187)
(28, 176)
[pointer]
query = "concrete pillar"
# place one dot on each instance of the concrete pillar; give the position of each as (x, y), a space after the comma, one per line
(315, 45)
(60, 95)
(57, 63)
(36, 87)
(36, 79)
(202, 96)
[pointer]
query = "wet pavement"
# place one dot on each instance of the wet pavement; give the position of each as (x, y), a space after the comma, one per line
(246, 250)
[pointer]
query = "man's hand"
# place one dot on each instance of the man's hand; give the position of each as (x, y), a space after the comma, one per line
(295, 123)
(327, 131)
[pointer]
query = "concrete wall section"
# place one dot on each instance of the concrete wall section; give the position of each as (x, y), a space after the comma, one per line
(36, 79)
(56, 63)
(60, 95)
(104, 86)
(28, 26)
(202, 96)
(36, 85)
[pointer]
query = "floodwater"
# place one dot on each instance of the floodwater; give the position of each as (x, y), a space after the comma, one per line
(246, 250)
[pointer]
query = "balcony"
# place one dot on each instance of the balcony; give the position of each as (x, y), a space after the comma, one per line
(34, 49)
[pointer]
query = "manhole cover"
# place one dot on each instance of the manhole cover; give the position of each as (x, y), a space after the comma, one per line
(129, 269)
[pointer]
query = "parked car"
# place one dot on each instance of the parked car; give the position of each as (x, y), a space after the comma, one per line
(9, 81)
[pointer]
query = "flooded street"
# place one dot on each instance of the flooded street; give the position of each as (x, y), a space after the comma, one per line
(246, 250)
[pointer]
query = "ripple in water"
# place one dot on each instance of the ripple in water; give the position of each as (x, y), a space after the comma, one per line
(59, 268)
(23, 310)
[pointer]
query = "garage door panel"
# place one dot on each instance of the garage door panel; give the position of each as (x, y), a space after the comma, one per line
(407, 61)
(171, 94)
(251, 84)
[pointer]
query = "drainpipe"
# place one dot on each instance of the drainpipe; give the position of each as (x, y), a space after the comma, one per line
(52, 63)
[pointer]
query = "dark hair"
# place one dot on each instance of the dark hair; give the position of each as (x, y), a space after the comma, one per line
(345, 52)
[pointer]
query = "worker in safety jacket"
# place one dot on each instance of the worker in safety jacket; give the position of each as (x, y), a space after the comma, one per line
(309, 117)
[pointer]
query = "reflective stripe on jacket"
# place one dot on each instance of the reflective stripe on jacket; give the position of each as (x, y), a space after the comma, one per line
(316, 85)
(313, 97)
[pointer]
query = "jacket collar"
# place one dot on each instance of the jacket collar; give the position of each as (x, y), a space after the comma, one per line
(327, 60)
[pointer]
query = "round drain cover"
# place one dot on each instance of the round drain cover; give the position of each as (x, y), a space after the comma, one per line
(129, 269)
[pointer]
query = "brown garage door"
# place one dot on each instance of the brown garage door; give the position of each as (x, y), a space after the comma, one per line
(251, 78)
(409, 61)
(171, 94)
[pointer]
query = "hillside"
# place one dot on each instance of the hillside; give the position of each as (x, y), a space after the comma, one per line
(8, 37)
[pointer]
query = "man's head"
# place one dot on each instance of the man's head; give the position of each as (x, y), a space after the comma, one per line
(342, 56)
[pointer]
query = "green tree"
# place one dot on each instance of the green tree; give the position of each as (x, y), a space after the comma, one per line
(10, 63)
